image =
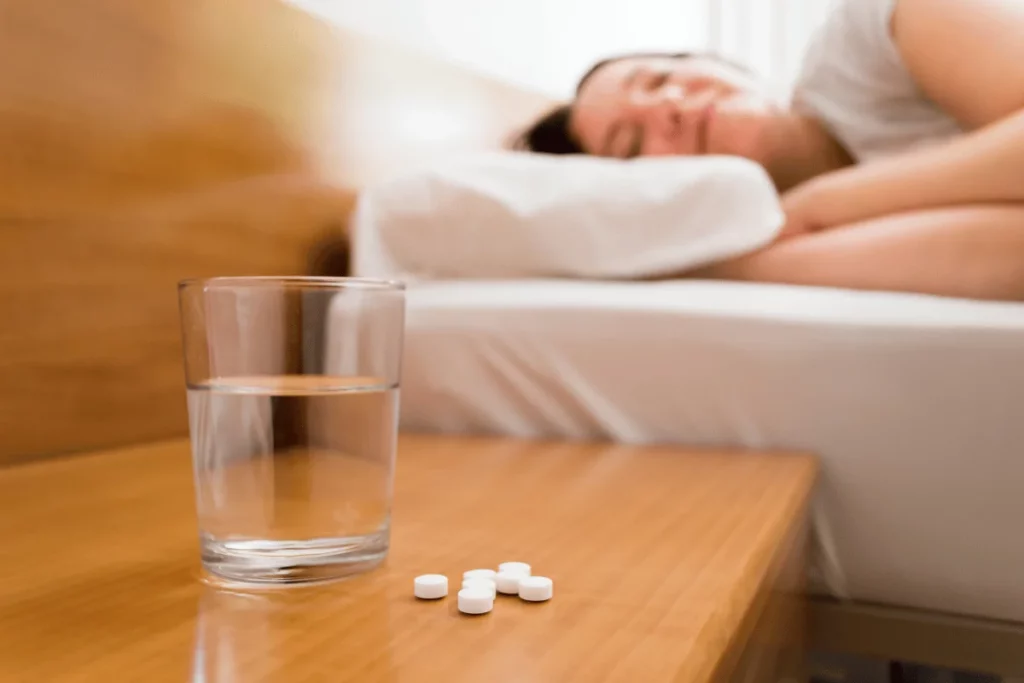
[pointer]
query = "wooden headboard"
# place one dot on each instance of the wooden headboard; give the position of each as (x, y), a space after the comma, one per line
(146, 141)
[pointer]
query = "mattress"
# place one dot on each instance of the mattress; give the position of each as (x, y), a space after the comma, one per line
(914, 404)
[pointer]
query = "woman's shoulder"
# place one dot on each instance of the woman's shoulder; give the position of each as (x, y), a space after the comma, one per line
(965, 55)
(856, 42)
(854, 80)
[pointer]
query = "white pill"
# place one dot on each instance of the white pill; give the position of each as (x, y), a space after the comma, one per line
(480, 574)
(514, 568)
(430, 586)
(508, 582)
(475, 601)
(481, 584)
(535, 588)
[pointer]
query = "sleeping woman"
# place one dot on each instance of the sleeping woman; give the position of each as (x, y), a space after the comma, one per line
(900, 159)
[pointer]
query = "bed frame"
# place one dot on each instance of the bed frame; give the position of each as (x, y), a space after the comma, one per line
(944, 640)
(144, 142)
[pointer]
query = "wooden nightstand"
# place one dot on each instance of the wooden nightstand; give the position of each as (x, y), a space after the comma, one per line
(669, 565)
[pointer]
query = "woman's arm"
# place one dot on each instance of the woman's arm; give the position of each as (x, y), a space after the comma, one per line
(984, 167)
(974, 252)
(967, 56)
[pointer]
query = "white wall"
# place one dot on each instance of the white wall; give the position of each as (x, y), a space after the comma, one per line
(544, 44)
(547, 44)
(768, 35)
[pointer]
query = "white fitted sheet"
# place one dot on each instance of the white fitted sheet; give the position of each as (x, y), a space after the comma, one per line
(915, 405)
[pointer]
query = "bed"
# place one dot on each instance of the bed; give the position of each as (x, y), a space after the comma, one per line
(912, 403)
(123, 184)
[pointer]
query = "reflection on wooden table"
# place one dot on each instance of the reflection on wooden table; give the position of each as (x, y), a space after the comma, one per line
(668, 565)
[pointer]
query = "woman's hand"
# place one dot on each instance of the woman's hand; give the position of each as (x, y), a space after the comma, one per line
(979, 168)
(806, 209)
(828, 201)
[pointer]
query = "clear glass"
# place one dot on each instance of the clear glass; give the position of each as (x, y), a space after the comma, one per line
(293, 412)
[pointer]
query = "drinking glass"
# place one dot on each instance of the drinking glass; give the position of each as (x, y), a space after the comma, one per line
(293, 408)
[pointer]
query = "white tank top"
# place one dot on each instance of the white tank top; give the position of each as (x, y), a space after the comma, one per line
(855, 82)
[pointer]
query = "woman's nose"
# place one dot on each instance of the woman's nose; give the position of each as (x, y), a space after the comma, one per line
(661, 107)
(673, 92)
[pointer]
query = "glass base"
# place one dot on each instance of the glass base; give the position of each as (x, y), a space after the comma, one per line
(276, 562)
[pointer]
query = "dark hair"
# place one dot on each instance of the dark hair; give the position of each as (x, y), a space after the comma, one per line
(551, 134)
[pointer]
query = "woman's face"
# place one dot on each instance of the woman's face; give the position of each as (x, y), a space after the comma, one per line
(649, 106)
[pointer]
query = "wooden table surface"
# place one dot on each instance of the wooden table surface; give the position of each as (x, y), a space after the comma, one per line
(657, 555)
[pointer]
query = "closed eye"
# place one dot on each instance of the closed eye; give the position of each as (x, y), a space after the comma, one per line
(657, 80)
(624, 141)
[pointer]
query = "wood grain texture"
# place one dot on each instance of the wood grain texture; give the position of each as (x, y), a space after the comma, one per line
(661, 558)
(145, 142)
(774, 635)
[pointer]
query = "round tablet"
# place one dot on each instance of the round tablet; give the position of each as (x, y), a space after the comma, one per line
(430, 586)
(508, 582)
(535, 588)
(480, 574)
(481, 584)
(475, 601)
(514, 568)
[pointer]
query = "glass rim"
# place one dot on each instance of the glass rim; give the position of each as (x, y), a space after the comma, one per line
(314, 281)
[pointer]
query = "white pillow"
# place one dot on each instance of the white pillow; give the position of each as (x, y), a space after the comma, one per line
(517, 215)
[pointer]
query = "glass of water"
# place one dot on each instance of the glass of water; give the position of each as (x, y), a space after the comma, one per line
(293, 411)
